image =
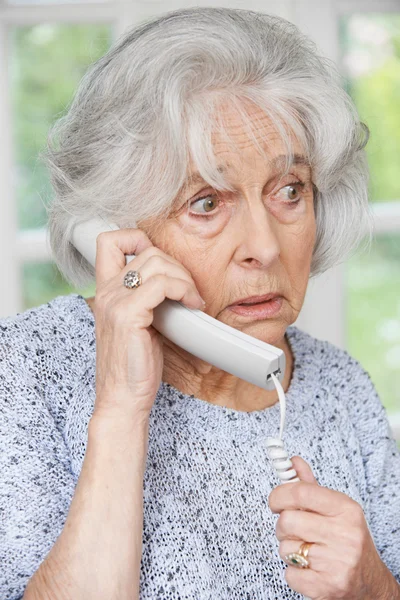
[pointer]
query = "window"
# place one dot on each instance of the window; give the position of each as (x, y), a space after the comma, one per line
(371, 64)
(47, 62)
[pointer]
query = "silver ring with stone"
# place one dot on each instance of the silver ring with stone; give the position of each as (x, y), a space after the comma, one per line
(132, 279)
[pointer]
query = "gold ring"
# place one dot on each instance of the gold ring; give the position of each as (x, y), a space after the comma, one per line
(304, 548)
(299, 559)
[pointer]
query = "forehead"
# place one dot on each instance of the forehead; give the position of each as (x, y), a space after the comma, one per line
(235, 145)
(232, 118)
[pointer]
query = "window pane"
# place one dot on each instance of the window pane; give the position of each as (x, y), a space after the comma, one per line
(374, 315)
(371, 64)
(43, 282)
(46, 65)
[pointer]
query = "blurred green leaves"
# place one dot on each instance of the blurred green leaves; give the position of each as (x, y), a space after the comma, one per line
(47, 63)
(371, 60)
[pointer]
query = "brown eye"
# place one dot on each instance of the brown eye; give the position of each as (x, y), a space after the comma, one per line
(293, 195)
(207, 204)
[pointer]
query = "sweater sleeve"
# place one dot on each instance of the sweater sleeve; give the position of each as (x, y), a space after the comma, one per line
(36, 482)
(381, 458)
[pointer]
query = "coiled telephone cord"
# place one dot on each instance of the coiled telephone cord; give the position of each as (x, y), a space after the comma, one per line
(275, 449)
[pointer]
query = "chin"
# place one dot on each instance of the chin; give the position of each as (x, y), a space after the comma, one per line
(271, 330)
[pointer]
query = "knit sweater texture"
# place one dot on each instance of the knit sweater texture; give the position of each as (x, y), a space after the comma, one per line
(208, 531)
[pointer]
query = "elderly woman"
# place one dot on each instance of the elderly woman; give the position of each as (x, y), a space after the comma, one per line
(225, 149)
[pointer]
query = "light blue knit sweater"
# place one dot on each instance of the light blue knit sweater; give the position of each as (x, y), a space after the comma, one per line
(208, 530)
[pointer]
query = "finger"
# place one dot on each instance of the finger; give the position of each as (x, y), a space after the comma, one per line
(154, 291)
(111, 248)
(154, 250)
(152, 261)
(307, 496)
(307, 582)
(156, 265)
(327, 576)
(303, 525)
(303, 470)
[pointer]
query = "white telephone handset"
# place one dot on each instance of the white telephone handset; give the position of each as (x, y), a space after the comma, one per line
(211, 340)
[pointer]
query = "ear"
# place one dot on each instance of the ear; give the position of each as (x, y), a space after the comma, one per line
(303, 470)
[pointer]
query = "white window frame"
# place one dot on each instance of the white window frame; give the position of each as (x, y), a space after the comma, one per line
(323, 314)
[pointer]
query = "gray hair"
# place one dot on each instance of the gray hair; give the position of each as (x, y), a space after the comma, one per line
(151, 102)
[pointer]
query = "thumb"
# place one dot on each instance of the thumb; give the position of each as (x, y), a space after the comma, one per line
(303, 470)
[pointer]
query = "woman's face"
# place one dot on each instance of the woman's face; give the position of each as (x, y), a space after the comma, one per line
(253, 241)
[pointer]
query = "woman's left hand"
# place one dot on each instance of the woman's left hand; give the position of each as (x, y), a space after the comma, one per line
(343, 560)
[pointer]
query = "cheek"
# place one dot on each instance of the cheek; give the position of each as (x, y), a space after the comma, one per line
(201, 258)
(197, 247)
(304, 232)
(297, 244)
(207, 264)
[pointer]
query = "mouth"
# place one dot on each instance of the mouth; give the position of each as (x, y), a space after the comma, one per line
(266, 307)
(252, 300)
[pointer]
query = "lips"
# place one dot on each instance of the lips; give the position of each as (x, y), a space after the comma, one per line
(256, 299)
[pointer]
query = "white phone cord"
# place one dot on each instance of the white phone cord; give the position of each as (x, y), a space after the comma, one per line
(275, 449)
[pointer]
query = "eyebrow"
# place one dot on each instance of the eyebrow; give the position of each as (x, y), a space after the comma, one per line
(278, 162)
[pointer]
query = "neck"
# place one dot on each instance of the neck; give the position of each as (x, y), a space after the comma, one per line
(191, 375)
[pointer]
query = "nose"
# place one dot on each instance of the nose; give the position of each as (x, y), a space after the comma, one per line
(259, 236)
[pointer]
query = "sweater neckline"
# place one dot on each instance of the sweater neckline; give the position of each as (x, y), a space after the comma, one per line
(202, 417)
(176, 410)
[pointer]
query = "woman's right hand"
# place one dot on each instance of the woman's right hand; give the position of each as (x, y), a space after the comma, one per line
(129, 351)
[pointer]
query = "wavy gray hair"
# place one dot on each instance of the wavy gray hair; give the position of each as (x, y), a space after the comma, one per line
(122, 150)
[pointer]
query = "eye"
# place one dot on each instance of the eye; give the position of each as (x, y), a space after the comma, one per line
(207, 203)
(293, 192)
